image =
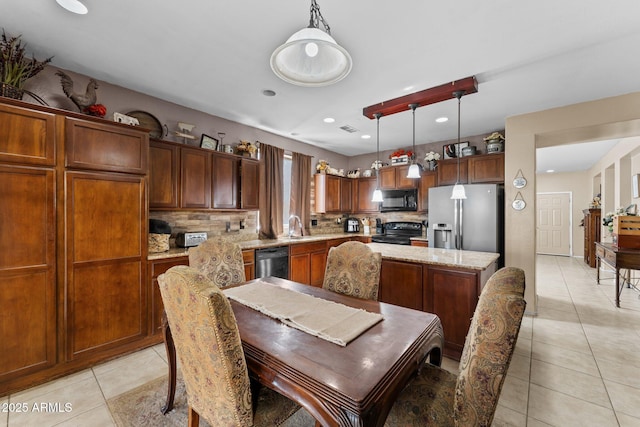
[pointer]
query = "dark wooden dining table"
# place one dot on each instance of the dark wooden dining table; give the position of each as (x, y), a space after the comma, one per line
(354, 385)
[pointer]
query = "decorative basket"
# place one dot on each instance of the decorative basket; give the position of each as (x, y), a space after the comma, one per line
(158, 242)
(9, 91)
(626, 231)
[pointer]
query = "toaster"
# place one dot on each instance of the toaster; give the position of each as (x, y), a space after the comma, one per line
(187, 240)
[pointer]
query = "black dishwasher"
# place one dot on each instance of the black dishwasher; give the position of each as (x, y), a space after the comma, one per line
(272, 262)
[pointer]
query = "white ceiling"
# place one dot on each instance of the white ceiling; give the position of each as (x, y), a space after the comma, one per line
(213, 56)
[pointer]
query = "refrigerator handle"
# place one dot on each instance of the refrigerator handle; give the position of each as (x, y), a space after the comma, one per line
(460, 224)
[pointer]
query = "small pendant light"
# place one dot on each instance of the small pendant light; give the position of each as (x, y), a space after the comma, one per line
(458, 192)
(414, 169)
(377, 194)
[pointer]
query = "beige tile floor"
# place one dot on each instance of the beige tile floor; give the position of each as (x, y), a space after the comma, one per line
(577, 363)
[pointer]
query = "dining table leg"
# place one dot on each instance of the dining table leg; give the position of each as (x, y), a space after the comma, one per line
(171, 359)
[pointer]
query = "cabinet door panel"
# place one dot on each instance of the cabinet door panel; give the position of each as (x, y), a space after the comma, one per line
(106, 306)
(27, 271)
(249, 184)
(401, 284)
(102, 146)
(448, 171)
(332, 195)
(486, 169)
(346, 194)
(388, 178)
(26, 136)
(163, 175)
(195, 178)
(299, 268)
(428, 179)
(318, 262)
(225, 182)
(401, 178)
(364, 190)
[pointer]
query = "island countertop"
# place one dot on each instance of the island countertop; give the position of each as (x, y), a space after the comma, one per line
(424, 255)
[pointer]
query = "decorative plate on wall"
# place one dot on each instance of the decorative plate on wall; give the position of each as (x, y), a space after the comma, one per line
(148, 121)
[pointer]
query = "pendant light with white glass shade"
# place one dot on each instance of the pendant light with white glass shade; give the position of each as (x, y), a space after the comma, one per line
(377, 194)
(458, 192)
(414, 169)
(311, 57)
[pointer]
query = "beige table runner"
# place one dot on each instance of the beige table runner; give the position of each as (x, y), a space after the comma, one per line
(325, 319)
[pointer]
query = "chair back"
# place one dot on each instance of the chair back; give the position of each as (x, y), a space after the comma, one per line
(208, 345)
(353, 269)
(489, 347)
(220, 260)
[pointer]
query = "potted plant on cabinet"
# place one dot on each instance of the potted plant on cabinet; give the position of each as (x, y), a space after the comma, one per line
(16, 68)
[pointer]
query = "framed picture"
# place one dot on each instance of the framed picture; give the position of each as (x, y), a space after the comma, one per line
(458, 147)
(209, 142)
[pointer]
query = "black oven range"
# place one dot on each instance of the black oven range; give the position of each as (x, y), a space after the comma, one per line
(398, 232)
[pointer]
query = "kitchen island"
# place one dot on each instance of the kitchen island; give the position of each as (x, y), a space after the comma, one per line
(446, 282)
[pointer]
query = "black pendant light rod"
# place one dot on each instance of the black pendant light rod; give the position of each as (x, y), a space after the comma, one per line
(413, 111)
(377, 116)
(458, 94)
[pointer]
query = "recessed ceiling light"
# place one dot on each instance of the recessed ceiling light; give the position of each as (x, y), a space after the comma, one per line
(442, 119)
(73, 6)
(366, 136)
(329, 120)
(268, 92)
(550, 170)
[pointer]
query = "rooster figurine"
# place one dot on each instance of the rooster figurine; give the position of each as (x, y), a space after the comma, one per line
(83, 101)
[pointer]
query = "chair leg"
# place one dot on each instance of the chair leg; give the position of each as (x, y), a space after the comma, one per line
(194, 418)
(171, 358)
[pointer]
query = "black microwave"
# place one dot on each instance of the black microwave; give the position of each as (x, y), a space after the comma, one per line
(399, 200)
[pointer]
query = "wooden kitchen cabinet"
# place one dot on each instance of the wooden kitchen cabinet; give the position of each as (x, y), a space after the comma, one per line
(195, 178)
(249, 184)
(592, 229)
(395, 177)
(486, 168)
(105, 261)
(164, 170)
(27, 136)
(428, 179)
(333, 193)
(307, 262)
(364, 192)
(27, 268)
(401, 284)
(452, 294)
(156, 308)
(447, 171)
(249, 259)
(224, 183)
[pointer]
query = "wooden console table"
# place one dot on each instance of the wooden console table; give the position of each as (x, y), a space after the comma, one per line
(617, 258)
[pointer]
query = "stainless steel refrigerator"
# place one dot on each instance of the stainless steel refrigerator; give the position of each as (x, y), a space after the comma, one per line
(475, 223)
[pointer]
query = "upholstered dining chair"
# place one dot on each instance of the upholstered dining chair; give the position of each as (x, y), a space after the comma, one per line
(220, 260)
(353, 269)
(437, 397)
(213, 366)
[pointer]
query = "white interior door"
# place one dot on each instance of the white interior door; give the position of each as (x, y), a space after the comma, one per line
(554, 224)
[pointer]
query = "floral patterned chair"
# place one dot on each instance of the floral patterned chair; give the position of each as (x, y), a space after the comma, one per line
(211, 356)
(353, 269)
(439, 398)
(220, 260)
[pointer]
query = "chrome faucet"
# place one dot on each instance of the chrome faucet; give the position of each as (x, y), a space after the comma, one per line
(296, 219)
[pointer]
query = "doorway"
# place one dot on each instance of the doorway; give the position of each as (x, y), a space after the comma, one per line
(553, 223)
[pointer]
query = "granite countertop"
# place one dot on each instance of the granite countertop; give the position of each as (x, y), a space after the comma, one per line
(436, 256)
(424, 255)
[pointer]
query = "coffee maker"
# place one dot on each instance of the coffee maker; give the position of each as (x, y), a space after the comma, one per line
(352, 225)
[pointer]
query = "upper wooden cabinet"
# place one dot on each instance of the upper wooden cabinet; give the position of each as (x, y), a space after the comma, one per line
(107, 147)
(479, 169)
(395, 177)
(185, 177)
(364, 192)
(163, 174)
(333, 194)
(195, 178)
(249, 184)
(428, 179)
(27, 136)
(486, 168)
(224, 185)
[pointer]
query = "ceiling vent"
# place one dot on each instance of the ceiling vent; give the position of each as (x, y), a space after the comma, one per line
(349, 128)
